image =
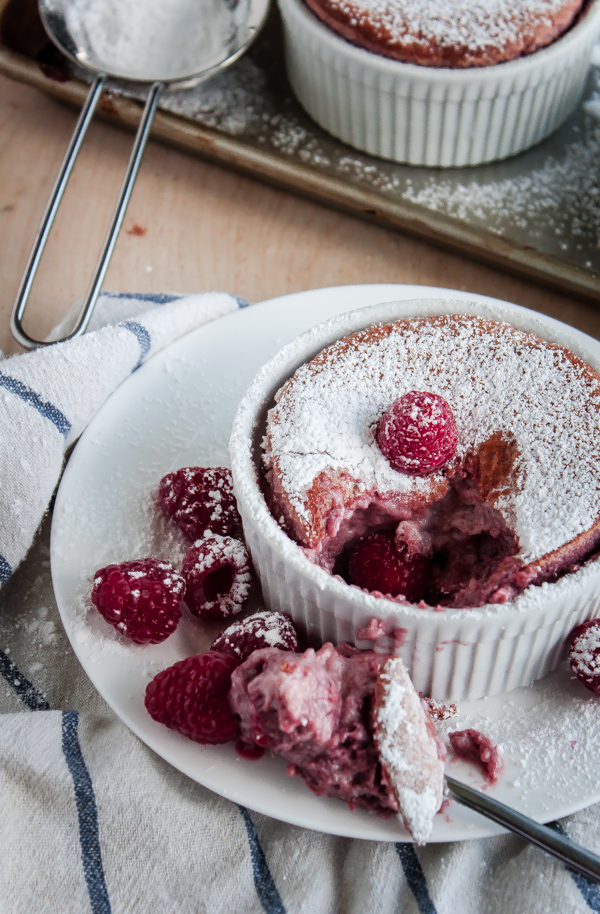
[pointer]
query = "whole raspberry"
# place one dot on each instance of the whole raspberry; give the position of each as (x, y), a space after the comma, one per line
(217, 577)
(141, 599)
(417, 433)
(201, 499)
(584, 654)
(191, 697)
(380, 564)
(264, 629)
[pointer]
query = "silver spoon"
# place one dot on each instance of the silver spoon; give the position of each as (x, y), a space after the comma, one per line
(166, 43)
(575, 856)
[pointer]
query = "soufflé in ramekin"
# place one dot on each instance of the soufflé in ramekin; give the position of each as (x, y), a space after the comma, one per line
(469, 547)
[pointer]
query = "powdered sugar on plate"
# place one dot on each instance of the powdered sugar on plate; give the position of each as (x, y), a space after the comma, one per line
(152, 536)
(551, 727)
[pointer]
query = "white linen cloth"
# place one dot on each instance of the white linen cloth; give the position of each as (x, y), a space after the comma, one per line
(92, 820)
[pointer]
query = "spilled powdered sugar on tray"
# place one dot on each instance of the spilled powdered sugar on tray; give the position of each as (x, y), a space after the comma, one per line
(546, 199)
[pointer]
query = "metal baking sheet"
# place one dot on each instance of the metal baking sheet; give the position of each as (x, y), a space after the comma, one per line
(537, 214)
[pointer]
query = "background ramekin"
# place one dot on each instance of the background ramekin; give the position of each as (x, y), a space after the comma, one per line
(452, 654)
(430, 116)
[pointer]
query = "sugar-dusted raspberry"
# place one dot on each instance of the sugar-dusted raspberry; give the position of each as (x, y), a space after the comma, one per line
(264, 629)
(191, 697)
(217, 577)
(142, 599)
(584, 654)
(380, 564)
(417, 433)
(201, 499)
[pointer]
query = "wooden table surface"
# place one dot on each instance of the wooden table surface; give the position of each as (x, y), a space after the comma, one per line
(192, 227)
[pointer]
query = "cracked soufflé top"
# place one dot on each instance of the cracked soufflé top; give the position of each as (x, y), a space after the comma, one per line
(527, 414)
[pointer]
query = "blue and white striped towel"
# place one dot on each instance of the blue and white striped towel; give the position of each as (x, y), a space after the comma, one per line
(92, 820)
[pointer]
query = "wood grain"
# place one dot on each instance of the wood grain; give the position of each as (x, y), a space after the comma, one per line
(192, 226)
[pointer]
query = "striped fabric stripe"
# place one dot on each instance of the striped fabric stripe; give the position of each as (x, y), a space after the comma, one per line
(5, 570)
(590, 891)
(155, 298)
(263, 881)
(415, 877)
(87, 813)
(25, 689)
(142, 336)
(46, 409)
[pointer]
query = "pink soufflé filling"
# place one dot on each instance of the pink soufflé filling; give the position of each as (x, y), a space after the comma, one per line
(480, 750)
(315, 709)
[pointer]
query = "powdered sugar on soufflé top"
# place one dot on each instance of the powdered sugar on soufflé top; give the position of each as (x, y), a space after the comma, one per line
(537, 396)
(449, 33)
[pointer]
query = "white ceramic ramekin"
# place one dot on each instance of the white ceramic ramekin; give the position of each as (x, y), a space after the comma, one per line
(452, 654)
(430, 116)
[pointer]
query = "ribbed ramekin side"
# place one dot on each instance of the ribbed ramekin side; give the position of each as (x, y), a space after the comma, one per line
(426, 116)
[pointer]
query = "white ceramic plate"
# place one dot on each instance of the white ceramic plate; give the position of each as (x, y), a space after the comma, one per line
(177, 411)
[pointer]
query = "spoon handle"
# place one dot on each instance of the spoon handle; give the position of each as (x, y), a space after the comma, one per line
(60, 185)
(575, 856)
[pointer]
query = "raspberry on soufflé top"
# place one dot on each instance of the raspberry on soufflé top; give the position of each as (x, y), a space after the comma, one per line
(449, 33)
(510, 496)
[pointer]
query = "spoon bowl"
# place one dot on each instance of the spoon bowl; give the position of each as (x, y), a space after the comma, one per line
(147, 41)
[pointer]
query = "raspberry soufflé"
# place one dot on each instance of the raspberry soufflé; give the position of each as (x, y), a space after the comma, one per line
(447, 461)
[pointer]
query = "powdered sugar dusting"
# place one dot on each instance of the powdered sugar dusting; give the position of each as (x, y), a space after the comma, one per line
(549, 734)
(494, 30)
(408, 749)
(259, 630)
(152, 534)
(494, 377)
(544, 201)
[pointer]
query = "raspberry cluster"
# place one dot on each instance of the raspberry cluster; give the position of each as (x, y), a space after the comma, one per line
(192, 695)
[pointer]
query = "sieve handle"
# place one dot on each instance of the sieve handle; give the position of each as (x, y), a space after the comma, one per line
(141, 138)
